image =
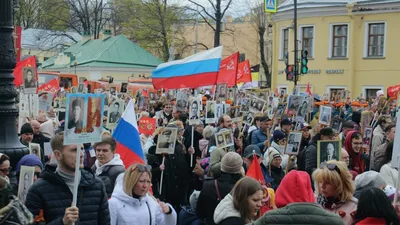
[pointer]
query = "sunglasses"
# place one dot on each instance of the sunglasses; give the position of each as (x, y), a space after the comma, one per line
(331, 167)
(6, 170)
(142, 168)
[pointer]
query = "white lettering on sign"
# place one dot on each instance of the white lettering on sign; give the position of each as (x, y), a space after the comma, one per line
(336, 71)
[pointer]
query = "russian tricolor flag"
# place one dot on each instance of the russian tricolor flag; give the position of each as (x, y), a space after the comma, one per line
(126, 134)
(194, 71)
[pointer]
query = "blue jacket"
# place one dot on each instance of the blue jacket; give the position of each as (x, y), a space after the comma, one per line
(257, 138)
(187, 216)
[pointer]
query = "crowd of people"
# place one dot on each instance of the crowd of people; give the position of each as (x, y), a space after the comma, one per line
(216, 189)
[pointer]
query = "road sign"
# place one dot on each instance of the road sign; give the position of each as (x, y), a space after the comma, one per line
(270, 6)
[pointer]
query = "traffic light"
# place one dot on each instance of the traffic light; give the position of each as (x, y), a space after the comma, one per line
(289, 72)
(304, 61)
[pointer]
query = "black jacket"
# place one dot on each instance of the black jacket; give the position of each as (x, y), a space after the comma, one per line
(41, 139)
(109, 175)
(52, 195)
(232, 221)
(208, 198)
(176, 175)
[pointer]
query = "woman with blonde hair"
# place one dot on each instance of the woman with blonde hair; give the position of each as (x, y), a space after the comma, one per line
(336, 189)
(131, 203)
(242, 205)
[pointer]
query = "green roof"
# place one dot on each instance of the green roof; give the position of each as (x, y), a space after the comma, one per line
(115, 51)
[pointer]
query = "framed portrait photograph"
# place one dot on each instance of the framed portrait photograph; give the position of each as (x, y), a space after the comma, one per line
(80, 88)
(113, 91)
(219, 109)
(294, 102)
(211, 114)
(366, 119)
(293, 143)
(34, 149)
(248, 118)
(337, 123)
(302, 111)
(166, 141)
(325, 115)
(228, 136)
(280, 110)
(224, 139)
(257, 104)
(30, 81)
(114, 113)
(26, 176)
(221, 92)
(245, 105)
(124, 87)
(194, 111)
(328, 150)
(367, 135)
(181, 101)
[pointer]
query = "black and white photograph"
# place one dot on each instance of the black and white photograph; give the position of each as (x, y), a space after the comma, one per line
(367, 137)
(45, 101)
(84, 118)
(114, 113)
(302, 111)
(293, 144)
(280, 110)
(221, 92)
(113, 91)
(329, 150)
(294, 102)
(124, 87)
(257, 104)
(34, 149)
(245, 105)
(211, 114)
(336, 123)
(325, 114)
(26, 176)
(219, 110)
(166, 141)
(230, 93)
(152, 96)
(80, 88)
(74, 90)
(248, 118)
(181, 101)
(171, 94)
(194, 111)
(310, 101)
(224, 139)
(30, 82)
(233, 111)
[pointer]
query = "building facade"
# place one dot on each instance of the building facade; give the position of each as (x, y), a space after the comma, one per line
(352, 45)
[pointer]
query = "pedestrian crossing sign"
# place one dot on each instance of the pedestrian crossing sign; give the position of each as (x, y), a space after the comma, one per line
(270, 6)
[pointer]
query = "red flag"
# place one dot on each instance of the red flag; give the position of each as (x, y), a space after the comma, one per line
(51, 86)
(244, 72)
(255, 172)
(393, 91)
(19, 69)
(147, 125)
(308, 90)
(228, 70)
(145, 93)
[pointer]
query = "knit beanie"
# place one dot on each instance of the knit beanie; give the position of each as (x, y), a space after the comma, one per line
(26, 129)
(278, 135)
(231, 163)
(273, 154)
(29, 160)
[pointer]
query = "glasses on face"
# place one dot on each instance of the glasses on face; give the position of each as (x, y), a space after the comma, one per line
(6, 170)
(142, 168)
(331, 167)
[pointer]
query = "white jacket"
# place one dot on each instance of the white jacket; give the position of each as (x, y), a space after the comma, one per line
(126, 210)
(225, 209)
(278, 148)
(389, 174)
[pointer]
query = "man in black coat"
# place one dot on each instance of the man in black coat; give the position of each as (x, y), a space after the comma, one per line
(52, 193)
(39, 138)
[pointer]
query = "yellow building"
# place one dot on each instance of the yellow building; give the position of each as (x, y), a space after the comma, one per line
(352, 45)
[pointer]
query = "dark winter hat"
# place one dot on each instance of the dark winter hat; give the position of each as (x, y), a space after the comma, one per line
(26, 129)
(248, 151)
(278, 135)
(286, 122)
(231, 163)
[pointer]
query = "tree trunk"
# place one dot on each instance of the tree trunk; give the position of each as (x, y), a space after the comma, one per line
(261, 32)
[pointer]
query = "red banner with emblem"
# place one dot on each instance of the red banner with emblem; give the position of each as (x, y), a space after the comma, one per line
(244, 72)
(147, 125)
(51, 86)
(228, 70)
(393, 91)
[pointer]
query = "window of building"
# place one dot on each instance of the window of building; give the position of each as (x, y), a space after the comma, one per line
(339, 40)
(285, 42)
(376, 39)
(369, 92)
(307, 40)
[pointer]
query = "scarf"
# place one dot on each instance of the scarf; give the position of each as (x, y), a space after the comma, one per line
(357, 163)
(116, 161)
(330, 202)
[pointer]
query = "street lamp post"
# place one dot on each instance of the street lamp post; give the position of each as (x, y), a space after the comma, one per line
(9, 141)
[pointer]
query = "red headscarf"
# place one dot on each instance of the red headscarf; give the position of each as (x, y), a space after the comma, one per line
(357, 163)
